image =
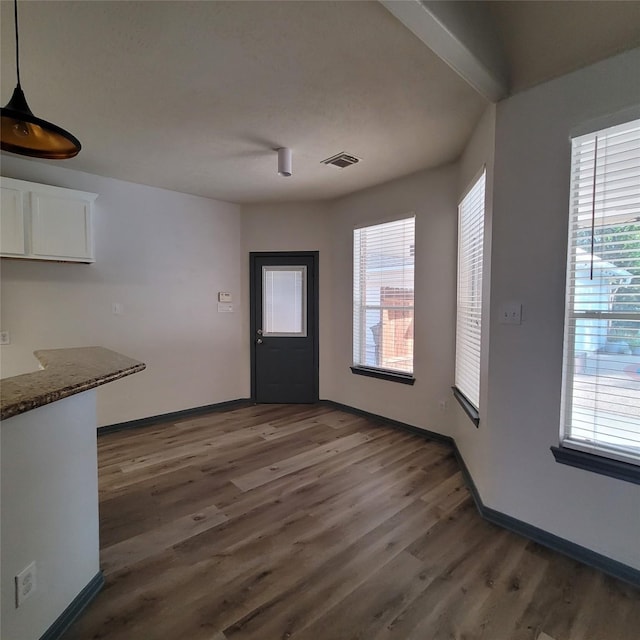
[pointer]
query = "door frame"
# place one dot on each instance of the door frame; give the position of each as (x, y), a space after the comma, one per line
(313, 293)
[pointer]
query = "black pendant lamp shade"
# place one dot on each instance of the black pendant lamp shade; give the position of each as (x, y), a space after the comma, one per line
(27, 135)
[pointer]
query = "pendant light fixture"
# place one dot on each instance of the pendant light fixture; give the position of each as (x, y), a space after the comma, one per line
(27, 135)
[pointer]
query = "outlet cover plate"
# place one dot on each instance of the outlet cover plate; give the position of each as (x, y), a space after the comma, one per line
(25, 583)
(511, 313)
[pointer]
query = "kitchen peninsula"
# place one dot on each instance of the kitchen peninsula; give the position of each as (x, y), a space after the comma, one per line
(49, 489)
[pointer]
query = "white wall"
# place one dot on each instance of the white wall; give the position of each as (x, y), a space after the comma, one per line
(162, 255)
(291, 227)
(432, 196)
(530, 213)
(49, 510)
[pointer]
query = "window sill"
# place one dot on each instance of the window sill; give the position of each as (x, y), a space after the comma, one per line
(597, 464)
(469, 409)
(402, 378)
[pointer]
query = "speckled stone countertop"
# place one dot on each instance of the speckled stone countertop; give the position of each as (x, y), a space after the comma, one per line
(66, 372)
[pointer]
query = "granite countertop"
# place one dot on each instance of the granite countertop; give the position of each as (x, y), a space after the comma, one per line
(66, 372)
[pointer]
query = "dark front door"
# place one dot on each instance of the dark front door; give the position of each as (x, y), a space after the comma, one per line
(284, 327)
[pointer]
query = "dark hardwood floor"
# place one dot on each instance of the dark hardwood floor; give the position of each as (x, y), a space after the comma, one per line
(274, 522)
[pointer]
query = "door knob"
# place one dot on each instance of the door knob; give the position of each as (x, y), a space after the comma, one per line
(259, 332)
(259, 341)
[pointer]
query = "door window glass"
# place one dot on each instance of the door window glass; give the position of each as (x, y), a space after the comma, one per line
(284, 294)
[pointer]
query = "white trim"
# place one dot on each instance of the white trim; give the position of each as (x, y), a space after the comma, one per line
(599, 450)
(605, 122)
(474, 180)
(375, 223)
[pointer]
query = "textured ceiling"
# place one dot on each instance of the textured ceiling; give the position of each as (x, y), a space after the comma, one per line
(544, 40)
(193, 96)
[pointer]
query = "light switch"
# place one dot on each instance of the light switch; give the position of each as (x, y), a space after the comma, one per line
(225, 307)
(117, 309)
(511, 313)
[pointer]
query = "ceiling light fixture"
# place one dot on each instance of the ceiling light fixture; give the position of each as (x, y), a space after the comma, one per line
(27, 135)
(284, 161)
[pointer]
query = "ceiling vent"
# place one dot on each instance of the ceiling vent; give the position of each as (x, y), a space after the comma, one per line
(341, 160)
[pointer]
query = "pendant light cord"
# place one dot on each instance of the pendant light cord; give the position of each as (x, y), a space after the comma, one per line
(15, 16)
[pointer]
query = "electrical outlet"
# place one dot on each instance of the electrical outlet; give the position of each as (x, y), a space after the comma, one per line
(5, 338)
(511, 313)
(25, 583)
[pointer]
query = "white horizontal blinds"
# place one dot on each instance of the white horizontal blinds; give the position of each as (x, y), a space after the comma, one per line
(284, 301)
(469, 309)
(383, 290)
(601, 391)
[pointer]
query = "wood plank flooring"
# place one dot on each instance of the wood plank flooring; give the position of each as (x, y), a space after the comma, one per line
(273, 522)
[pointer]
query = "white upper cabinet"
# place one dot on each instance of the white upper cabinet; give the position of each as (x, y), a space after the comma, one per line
(60, 227)
(11, 223)
(41, 222)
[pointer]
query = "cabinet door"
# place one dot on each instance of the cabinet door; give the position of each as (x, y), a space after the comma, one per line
(60, 228)
(11, 223)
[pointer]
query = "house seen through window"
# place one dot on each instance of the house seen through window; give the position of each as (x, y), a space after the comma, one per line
(383, 290)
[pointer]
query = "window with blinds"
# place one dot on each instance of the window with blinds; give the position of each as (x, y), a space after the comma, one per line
(601, 368)
(469, 294)
(383, 277)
